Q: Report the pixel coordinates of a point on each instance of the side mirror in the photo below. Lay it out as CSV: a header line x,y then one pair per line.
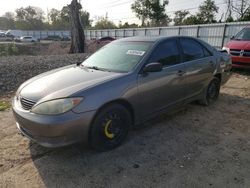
x,y
153,67
232,37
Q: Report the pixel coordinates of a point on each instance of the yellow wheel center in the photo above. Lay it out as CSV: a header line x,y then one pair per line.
x,y
106,131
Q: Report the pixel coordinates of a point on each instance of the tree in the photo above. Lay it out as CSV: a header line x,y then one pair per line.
x,y
7,21
85,19
127,25
77,33
191,20
151,10
104,23
241,8
246,16
6,24
60,19
207,11
54,15
29,18
65,14
157,13
141,10
9,15
228,14
180,15
229,19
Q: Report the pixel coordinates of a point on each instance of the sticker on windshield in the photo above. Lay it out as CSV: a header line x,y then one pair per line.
x,y
135,52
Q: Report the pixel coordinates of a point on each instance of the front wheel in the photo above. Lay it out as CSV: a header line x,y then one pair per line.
x,y
212,92
110,127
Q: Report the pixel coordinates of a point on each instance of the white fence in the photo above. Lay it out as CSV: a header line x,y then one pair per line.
x,y
44,34
215,34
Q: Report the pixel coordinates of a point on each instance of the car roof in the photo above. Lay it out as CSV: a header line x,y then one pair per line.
x,y
149,38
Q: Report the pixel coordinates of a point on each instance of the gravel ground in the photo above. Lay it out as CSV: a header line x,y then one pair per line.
x,y
195,147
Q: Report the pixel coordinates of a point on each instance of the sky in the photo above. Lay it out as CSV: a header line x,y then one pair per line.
x,y
117,10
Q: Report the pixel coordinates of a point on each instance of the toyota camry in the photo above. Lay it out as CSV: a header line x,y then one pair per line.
x,y
121,85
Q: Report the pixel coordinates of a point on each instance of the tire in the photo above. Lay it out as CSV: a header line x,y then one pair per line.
x,y
212,92
110,127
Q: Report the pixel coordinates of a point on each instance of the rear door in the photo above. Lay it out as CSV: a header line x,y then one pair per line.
x,y
199,63
158,90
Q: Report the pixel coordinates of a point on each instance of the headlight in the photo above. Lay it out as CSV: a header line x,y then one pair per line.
x,y
227,49
57,106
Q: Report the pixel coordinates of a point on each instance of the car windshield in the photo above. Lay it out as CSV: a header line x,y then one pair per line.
x,y
118,56
244,34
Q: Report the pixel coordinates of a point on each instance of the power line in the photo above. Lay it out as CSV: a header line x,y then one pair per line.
x,y
191,8
113,3
118,4
187,9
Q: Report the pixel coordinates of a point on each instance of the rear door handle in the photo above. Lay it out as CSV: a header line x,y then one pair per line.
x,y
180,72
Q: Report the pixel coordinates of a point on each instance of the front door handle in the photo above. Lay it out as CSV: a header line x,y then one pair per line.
x,y
180,72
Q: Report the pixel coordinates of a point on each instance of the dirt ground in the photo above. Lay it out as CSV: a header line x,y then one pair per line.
x,y
195,147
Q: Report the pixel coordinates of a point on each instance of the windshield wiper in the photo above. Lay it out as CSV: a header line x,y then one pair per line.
x,y
96,68
93,67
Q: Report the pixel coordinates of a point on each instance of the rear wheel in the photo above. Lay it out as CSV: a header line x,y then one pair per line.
x,y
110,127
212,92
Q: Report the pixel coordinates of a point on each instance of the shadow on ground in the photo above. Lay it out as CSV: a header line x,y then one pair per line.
x,y
196,147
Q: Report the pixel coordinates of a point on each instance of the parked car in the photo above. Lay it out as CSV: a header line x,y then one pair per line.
x,y
106,39
121,85
53,38
27,39
239,48
4,37
65,38
15,33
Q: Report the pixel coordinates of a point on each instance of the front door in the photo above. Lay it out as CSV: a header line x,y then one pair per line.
x,y
157,90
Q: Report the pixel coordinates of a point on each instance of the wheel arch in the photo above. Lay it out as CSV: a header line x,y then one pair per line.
x,y
122,102
218,75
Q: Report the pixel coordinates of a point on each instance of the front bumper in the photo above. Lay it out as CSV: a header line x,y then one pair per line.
x,y
53,131
241,62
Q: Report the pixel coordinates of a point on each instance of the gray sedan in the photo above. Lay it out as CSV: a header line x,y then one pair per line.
x,y
123,84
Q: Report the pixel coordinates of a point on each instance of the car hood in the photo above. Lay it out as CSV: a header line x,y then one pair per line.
x,y
63,82
239,45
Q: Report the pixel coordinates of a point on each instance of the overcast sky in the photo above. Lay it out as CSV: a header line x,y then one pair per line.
x,y
117,9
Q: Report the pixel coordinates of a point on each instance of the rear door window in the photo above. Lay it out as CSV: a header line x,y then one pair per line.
x,y
192,50
207,53
166,53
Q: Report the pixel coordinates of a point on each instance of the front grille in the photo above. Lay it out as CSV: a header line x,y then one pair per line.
x,y
242,53
26,103
235,52
246,53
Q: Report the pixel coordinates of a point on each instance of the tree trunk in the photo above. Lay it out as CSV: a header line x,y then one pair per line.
x,y
77,32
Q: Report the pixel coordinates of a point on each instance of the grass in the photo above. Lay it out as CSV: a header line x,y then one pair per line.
x,y
4,105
